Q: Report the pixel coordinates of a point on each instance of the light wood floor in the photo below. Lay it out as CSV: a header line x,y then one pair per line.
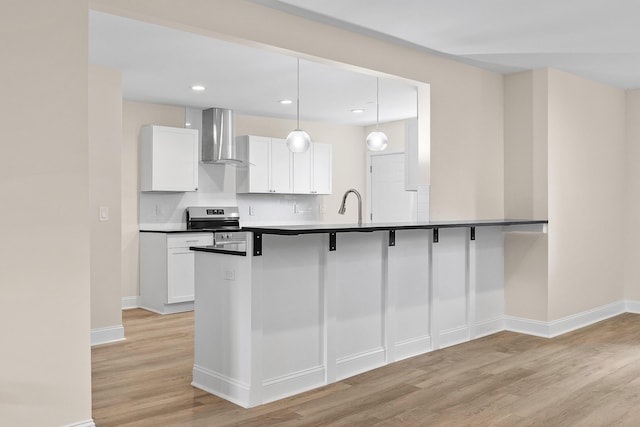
x,y
590,377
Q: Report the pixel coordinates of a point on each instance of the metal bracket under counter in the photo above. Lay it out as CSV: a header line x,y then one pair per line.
x,y
534,226
257,244
257,239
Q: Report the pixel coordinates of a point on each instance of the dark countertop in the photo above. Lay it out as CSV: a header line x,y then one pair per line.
x,y
367,227
342,228
213,249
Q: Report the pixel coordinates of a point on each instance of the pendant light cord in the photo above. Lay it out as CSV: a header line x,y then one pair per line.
x,y
377,102
298,99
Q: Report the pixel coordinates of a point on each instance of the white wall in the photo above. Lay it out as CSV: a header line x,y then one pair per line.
x,y
525,192
586,194
632,197
45,373
105,145
565,152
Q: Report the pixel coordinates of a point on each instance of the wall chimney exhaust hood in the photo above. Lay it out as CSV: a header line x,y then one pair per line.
x,y
218,137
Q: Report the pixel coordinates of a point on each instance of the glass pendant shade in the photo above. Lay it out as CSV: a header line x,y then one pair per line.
x,y
377,141
298,141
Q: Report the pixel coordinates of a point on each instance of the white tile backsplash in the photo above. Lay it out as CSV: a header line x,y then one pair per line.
x,y
167,210
278,209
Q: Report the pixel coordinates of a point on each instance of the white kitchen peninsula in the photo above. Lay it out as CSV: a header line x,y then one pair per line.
x,y
311,305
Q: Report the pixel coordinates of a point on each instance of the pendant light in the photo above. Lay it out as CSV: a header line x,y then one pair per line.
x,y
298,140
377,140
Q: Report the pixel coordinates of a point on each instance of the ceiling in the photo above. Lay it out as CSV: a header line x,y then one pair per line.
x,y
596,39
159,65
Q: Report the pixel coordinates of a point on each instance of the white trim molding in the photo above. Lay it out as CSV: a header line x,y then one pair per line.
x,y
230,389
632,306
88,423
107,335
130,302
569,323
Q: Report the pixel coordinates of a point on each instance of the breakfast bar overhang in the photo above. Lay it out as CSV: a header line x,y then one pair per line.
x,y
309,305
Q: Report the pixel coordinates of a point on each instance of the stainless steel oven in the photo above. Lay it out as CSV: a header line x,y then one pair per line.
x,y
223,221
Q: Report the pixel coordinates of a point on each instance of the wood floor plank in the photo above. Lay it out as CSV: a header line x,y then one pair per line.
x,y
589,377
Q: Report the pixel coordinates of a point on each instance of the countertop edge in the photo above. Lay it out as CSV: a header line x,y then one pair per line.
x,y
149,230
364,228
213,250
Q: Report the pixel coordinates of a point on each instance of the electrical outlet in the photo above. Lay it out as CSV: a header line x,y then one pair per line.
x,y
295,208
252,211
323,208
229,274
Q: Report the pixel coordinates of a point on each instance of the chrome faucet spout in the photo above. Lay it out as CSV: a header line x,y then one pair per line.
x,y
343,205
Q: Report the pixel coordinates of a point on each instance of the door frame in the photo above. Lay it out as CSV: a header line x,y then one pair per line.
x,y
370,155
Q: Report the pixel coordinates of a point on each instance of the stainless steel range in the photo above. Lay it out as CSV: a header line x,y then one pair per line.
x,y
223,221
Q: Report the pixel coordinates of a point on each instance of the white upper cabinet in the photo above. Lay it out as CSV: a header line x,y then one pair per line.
x,y
253,178
302,171
269,170
280,162
274,169
312,170
322,168
168,159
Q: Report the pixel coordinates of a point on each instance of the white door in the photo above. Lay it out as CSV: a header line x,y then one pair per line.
x,y
389,200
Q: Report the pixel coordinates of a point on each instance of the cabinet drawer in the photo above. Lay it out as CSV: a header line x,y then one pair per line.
x,y
189,239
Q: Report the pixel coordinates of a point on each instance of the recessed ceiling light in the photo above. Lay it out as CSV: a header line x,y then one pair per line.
x,y
357,110
187,124
285,101
198,88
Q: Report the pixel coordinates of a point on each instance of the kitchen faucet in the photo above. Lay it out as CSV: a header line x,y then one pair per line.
x,y
343,205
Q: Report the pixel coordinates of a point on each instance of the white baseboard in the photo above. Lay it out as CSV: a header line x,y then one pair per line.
x,y
412,347
221,386
488,327
297,382
88,423
358,363
453,336
569,323
107,335
130,302
632,306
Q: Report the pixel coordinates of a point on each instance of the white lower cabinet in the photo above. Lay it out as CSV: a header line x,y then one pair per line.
x,y
167,272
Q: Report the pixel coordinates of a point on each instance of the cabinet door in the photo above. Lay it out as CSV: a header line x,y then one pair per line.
x,y
322,168
280,162
180,275
259,168
302,172
169,158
